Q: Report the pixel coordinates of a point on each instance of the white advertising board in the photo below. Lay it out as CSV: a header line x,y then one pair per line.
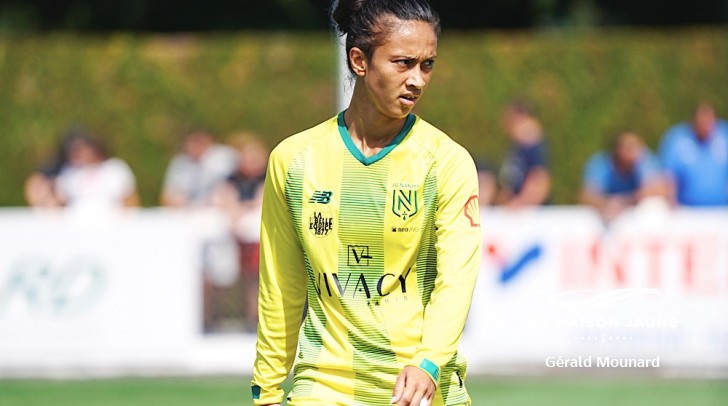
x,y
556,286
122,294
76,293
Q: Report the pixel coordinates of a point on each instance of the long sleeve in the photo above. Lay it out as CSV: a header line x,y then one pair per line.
x,y
458,262
282,291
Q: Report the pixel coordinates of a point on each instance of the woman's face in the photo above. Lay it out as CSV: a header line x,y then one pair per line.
x,y
82,153
399,70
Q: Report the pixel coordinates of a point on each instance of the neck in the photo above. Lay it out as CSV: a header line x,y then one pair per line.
x,y
370,130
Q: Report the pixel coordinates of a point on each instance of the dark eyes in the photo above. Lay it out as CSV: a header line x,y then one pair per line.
x,y
410,63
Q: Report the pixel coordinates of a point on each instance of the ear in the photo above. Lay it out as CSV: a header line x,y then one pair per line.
x,y
358,61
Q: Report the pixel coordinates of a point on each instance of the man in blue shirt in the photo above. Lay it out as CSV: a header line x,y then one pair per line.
x,y
620,178
695,158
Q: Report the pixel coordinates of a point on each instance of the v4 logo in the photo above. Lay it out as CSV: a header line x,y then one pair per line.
x,y
358,255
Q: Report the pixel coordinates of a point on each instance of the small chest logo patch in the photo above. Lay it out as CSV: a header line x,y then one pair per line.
x,y
320,225
321,197
405,203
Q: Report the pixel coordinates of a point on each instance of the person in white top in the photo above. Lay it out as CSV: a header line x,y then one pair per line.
x,y
91,179
194,173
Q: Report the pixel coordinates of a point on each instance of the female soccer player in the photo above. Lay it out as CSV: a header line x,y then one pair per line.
x,y
371,220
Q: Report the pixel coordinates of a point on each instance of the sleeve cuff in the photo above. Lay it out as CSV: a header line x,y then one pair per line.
x,y
261,397
431,369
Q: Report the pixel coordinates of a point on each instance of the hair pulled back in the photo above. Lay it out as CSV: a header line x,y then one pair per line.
x,y
361,20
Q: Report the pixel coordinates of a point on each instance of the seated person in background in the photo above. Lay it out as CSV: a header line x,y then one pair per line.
x,y
695,158
620,178
524,176
241,198
193,174
242,191
91,179
40,187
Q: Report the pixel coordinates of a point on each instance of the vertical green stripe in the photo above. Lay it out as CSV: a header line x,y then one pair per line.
x,y
361,224
452,384
427,255
310,342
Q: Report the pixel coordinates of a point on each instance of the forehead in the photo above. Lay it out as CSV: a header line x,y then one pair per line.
x,y
629,141
410,38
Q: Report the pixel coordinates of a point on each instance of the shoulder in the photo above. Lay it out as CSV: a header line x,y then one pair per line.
x,y
598,160
648,161
676,133
536,148
179,162
438,144
116,164
117,167
220,151
598,169
722,127
290,147
648,156
676,138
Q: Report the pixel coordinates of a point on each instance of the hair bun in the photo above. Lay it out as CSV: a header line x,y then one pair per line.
x,y
343,12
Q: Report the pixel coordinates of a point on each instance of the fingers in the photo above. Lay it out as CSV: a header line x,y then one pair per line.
x,y
398,388
413,388
422,396
415,396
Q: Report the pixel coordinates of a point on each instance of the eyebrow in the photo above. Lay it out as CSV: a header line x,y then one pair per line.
x,y
400,56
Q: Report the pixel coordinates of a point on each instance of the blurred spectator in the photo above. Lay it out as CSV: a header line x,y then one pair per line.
x,y
242,191
90,179
40,190
241,197
194,173
487,182
695,158
524,176
622,177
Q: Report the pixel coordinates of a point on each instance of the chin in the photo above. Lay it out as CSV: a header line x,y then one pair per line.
x,y
401,112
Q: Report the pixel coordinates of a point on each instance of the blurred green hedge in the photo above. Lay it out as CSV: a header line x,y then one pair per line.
x,y
142,92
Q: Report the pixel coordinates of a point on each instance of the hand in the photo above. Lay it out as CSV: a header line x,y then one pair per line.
x,y
413,388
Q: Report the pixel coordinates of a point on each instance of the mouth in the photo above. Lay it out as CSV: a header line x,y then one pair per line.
x,y
408,99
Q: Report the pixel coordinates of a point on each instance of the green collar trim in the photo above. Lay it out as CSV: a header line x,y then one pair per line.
x,y
346,137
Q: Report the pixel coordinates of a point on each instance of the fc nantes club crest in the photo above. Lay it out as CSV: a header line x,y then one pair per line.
x,y
404,203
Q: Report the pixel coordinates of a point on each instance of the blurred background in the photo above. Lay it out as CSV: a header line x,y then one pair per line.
x,y
142,72
175,104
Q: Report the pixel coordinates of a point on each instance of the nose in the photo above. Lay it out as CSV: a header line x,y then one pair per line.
x,y
417,78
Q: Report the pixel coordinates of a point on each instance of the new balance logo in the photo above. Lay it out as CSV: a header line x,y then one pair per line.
x,y
321,196
358,255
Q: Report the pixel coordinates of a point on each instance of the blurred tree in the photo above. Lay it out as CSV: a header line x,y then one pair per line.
x,y
190,15
664,13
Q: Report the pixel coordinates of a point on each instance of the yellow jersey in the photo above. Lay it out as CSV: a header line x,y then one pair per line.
x,y
382,252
